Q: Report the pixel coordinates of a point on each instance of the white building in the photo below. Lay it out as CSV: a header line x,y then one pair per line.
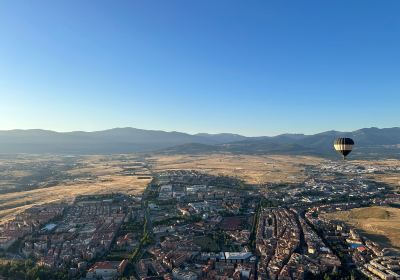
x,y
179,274
107,269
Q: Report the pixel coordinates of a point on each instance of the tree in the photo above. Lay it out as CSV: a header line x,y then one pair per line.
x,y
327,277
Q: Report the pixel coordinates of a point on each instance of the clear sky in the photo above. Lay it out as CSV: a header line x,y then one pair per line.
x,y
250,67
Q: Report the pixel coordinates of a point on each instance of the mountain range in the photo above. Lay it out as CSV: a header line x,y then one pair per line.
x,y
370,142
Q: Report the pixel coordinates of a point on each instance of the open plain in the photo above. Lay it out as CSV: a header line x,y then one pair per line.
x,y
32,180
380,224
253,169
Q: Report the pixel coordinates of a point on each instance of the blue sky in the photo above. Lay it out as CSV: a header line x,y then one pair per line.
x,y
249,67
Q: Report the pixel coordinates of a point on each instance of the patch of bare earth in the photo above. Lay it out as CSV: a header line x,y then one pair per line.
x,y
253,169
104,175
380,224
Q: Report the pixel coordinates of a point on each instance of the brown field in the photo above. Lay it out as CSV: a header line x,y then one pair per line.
x,y
253,169
102,174
111,183
105,178
390,178
380,224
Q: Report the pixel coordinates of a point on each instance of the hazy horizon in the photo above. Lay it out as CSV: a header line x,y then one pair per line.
x,y
194,133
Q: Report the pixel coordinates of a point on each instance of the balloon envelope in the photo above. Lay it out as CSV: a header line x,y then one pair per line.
x,y
343,146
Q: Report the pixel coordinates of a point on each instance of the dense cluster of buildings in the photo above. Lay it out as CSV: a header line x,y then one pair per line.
x,y
288,247
86,231
356,250
73,236
27,222
387,268
189,225
354,168
202,227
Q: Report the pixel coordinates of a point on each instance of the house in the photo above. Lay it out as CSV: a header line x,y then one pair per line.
x,y
107,269
180,274
238,257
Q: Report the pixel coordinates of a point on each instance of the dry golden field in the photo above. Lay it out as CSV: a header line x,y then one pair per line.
x,y
390,178
380,224
253,169
130,174
103,176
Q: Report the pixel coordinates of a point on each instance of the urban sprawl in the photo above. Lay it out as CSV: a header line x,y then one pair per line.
x,y
189,225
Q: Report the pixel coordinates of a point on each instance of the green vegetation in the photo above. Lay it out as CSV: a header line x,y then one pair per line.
x,y
254,227
270,203
394,205
151,194
131,227
227,182
117,255
136,253
151,191
181,219
226,213
207,244
29,271
144,241
95,197
168,221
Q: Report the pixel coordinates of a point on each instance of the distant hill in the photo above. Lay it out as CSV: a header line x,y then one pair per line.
x,y
116,140
370,142
222,137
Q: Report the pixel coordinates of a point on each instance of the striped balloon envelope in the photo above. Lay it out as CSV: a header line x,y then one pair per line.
x,y
343,146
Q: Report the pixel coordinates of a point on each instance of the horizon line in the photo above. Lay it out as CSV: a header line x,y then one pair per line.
x,y
192,134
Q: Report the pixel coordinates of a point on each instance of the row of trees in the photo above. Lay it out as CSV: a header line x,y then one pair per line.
x,y
27,270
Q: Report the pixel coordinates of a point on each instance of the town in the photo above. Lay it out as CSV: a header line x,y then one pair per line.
x,y
192,225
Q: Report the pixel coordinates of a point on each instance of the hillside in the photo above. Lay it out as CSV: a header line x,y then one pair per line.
x,y
370,142
116,140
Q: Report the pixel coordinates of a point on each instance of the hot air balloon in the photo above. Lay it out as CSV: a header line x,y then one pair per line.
x,y
343,146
